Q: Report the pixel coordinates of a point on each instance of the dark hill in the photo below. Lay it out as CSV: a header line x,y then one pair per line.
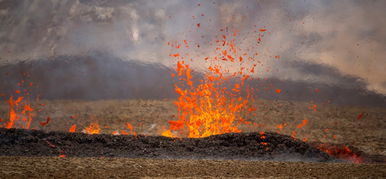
x,y
88,77
104,76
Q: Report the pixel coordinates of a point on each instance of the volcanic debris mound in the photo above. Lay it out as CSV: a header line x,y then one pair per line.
x,y
254,146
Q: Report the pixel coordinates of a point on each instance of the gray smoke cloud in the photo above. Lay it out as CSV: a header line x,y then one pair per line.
x,y
318,41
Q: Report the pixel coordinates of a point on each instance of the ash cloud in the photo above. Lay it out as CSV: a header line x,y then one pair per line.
x,y
339,43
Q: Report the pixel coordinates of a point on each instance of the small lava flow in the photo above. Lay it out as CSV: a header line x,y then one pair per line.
x,y
341,151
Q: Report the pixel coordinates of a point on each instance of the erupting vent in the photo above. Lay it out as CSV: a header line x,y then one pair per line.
x,y
213,105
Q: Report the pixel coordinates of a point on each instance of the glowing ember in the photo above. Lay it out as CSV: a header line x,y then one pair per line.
x,y
123,132
301,125
45,122
361,115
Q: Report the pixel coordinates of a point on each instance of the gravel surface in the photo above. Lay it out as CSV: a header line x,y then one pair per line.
x,y
85,167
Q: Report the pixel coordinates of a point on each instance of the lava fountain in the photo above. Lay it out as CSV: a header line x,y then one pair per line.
x,y
214,104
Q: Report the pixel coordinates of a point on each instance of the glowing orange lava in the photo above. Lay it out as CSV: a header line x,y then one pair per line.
x,y
340,151
93,128
72,128
212,105
20,112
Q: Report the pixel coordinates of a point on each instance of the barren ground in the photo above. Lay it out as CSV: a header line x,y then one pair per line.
x,y
50,167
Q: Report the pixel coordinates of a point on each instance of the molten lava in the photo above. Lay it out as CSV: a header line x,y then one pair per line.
x,y
340,151
214,104
93,128
72,128
20,113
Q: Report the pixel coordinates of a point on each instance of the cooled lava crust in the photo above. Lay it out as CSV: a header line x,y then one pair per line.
x,y
249,146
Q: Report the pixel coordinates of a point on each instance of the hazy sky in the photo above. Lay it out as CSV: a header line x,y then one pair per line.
x,y
317,40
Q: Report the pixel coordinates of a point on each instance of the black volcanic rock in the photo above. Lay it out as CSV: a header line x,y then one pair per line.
x,y
249,146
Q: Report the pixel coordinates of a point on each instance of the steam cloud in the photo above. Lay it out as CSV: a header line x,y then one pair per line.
x,y
317,40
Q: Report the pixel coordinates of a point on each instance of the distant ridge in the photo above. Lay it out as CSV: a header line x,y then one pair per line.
x,y
105,76
98,76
